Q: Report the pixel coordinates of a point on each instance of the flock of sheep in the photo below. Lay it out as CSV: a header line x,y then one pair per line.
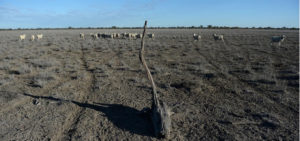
x,y
38,36
274,39
216,37
116,35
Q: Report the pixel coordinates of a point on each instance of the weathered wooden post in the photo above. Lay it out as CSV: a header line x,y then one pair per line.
x,y
160,112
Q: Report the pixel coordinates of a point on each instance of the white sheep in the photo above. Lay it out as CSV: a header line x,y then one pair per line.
x,y
139,35
94,36
81,35
22,37
114,35
32,38
151,35
218,37
196,37
132,35
278,39
99,35
124,35
129,35
39,36
118,35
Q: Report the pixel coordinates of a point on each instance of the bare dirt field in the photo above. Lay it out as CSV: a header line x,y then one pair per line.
x,y
66,88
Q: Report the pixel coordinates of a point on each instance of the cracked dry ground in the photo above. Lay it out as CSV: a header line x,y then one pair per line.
x,y
64,88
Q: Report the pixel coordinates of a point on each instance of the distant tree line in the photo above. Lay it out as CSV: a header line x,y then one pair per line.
x,y
173,27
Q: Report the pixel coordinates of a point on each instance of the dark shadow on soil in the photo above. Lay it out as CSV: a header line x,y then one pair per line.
x,y
124,117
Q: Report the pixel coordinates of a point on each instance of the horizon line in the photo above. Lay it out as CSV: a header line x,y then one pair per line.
x,y
154,27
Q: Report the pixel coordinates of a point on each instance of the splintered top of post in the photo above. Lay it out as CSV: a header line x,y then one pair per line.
x,y
144,32
145,25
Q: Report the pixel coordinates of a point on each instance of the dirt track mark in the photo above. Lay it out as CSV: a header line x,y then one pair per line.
x,y
70,125
91,74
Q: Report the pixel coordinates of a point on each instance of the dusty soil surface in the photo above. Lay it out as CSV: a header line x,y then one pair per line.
x,y
66,88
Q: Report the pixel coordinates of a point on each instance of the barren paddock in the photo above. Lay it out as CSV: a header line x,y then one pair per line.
x,y
66,88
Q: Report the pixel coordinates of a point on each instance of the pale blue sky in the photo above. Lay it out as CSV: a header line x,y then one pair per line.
x,y
104,13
